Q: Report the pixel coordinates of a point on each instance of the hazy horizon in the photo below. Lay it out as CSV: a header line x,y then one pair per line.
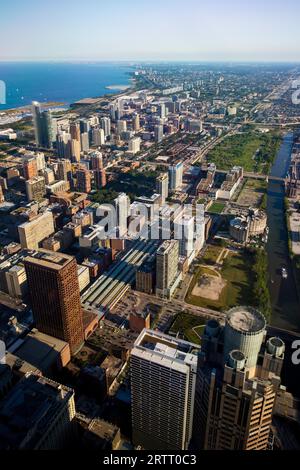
x,y
134,31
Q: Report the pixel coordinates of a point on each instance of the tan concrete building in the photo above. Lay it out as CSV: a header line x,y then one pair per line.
x,y
35,188
33,232
167,273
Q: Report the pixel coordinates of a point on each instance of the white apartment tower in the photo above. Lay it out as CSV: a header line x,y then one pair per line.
x,y
175,176
163,384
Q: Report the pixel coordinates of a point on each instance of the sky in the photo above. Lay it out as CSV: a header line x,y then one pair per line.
x,y
136,30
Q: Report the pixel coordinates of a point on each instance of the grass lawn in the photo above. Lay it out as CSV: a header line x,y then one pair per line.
x,y
184,324
211,254
251,150
238,291
216,207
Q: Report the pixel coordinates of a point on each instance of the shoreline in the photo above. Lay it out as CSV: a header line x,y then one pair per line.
x,y
115,91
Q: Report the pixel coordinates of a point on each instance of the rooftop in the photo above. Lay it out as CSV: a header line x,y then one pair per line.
x,y
28,410
49,259
246,320
156,346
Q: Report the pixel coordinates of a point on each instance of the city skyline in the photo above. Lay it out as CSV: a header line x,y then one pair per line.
x,y
222,32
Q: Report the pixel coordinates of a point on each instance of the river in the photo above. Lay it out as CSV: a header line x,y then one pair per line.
x,y
283,292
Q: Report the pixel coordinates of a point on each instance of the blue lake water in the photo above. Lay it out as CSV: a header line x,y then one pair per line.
x,y
60,82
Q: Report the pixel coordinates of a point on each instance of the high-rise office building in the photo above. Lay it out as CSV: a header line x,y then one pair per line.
x,y
100,178
122,206
75,131
83,182
162,110
64,145
121,126
30,168
75,150
33,232
136,122
158,133
96,161
84,125
175,176
167,276
85,142
55,297
162,186
35,188
237,381
163,382
184,228
49,176
37,414
64,169
98,137
134,145
43,126
106,126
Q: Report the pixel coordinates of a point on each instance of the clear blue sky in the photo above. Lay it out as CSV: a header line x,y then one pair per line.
x,y
150,29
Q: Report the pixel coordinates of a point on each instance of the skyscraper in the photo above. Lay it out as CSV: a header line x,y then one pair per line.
x,y
122,205
184,227
237,381
100,178
37,414
43,128
163,382
98,137
96,161
162,186
64,169
136,122
158,133
54,289
167,275
134,145
121,126
85,142
83,183
75,150
175,176
105,125
30,168
75,131
64,145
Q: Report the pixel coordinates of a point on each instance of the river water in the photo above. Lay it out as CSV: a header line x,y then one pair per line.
x,y
284,297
